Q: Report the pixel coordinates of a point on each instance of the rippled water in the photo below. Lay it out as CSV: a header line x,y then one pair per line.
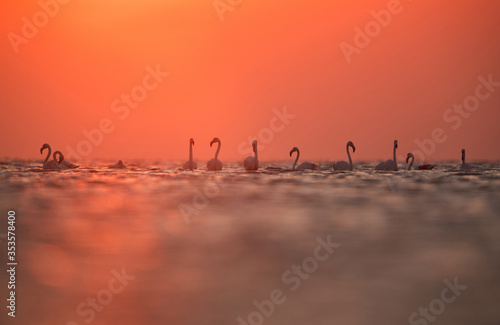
x,y
200,247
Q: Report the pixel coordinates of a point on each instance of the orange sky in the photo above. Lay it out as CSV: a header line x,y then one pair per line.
x,y
226,77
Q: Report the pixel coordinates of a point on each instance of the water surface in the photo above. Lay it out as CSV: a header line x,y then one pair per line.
x,y
202,246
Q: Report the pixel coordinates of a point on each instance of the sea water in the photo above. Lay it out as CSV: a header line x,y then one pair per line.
x,y
152,244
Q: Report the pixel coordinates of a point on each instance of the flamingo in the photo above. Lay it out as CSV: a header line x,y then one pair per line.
x,y
63,164
389,164
251,162
304,165
408,156
52,164
421,167
343,165
118,165
190,164
215,164
464,164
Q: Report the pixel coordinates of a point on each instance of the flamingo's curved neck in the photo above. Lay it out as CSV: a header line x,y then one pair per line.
x,y
48,155
296,159
190,153
218,149
411,162
394,157
349,156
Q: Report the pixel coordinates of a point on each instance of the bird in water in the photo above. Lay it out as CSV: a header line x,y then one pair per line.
x,y
390,164
252,162
304,165
190,165
343,165
420,167
215,164
464,165
49,164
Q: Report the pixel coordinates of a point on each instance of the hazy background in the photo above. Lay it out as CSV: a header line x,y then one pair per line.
x,y
227,76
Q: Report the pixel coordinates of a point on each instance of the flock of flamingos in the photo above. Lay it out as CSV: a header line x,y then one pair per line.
x,y
252,162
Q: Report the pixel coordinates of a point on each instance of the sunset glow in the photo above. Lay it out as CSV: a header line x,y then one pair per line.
x,y
250,162
224,71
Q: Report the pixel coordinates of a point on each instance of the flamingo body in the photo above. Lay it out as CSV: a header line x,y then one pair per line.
x,y
341,165
51,165
190,165
250,163
387,165
380,166
214,164
307,165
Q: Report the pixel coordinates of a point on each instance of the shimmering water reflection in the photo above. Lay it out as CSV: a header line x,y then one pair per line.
x,y
202,246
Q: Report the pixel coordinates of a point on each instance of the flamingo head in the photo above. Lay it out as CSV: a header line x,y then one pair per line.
x,y
191,141
45,146
294,149
254,145
395,144
214,140
350,144
408,156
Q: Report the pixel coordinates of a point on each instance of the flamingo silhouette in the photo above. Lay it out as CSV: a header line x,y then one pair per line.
x,y
252,162
49,164
389,164
304,165
343,165
464,164
420,167
215,164
190,164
